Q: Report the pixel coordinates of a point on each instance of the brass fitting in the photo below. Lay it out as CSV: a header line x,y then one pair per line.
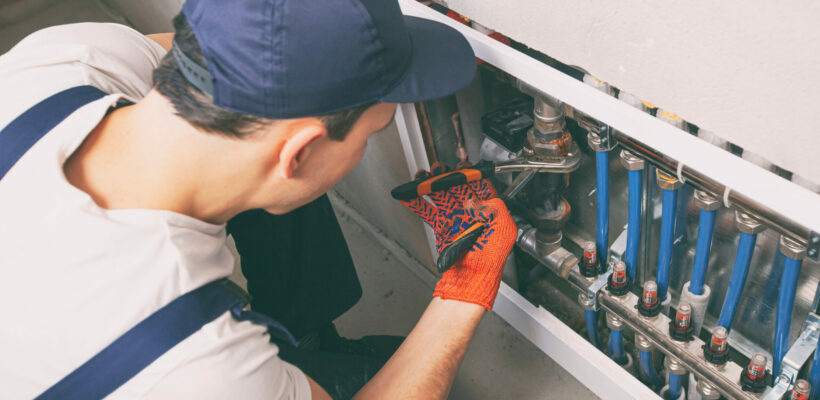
x,y
707,391
667,182
613,322
673,366
631,162
642,343
748,224
705,201
791,248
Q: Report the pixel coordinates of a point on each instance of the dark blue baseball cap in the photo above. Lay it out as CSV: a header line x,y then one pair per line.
x,y
297,58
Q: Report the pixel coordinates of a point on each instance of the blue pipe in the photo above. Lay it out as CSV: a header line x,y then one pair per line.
x,y
649,370
785,306
633,228
675,385
670,199
706,226
616,347
592,327
745,249
602,178
814,375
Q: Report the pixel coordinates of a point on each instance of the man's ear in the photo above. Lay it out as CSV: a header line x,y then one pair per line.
x,y
294,149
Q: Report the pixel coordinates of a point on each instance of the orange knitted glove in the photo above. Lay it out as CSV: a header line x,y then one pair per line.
x,y
476,276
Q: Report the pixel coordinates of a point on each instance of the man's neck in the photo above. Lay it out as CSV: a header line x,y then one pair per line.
x,y
145,157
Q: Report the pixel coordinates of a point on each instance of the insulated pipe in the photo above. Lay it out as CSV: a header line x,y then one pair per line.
x,y
616,339
676,373
592,327
616,347
635,165
675,385
749,228
696,292
602,179
705,228
670,186
708,205
814,375
794,253
649,370
645,352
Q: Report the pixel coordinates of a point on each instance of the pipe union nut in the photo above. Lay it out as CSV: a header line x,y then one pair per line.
x,y
631,162
642,343
613,322
673,366
706,201
748,224
791,248
668,182
595,143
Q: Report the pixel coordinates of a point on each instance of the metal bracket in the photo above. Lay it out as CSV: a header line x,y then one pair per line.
x,y
813,246
605,133
595,287
797,355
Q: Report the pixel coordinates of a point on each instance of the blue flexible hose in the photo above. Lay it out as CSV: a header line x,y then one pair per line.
x,y
602,179
670,199
814,375
785,306
616,347
633,228
675,385
706,226
649,370
592,327
745,249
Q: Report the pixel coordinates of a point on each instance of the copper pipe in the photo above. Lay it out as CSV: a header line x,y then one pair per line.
x,y
426,133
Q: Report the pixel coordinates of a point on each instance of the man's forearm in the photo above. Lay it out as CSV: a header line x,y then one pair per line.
x,y
426,363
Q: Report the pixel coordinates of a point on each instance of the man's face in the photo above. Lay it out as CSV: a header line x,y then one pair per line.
x,y
330,160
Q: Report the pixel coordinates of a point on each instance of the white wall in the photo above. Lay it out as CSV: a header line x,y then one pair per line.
x,y
747,70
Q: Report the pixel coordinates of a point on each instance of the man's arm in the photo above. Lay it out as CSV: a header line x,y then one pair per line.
x,y
426,363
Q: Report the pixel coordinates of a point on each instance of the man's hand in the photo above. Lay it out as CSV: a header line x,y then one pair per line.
x,y
476,277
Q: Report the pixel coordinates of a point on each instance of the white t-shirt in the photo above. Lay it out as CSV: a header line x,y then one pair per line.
x,y
74,276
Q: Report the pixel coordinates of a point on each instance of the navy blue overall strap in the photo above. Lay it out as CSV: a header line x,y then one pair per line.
x,y
25,130
151,338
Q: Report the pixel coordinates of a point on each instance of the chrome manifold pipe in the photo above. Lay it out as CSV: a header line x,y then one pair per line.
x,y
725,378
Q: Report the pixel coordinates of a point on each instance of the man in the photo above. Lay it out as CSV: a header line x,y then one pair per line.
x,y
120,209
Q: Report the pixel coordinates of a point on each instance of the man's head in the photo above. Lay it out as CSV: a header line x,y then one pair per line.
x,y
304,83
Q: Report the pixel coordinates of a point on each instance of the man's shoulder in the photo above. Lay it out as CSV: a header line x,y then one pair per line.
x,y
111,57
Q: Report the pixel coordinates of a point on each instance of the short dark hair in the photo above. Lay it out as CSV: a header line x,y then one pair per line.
x,y
198,108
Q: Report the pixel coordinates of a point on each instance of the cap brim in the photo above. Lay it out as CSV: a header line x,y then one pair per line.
x,y
442,63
